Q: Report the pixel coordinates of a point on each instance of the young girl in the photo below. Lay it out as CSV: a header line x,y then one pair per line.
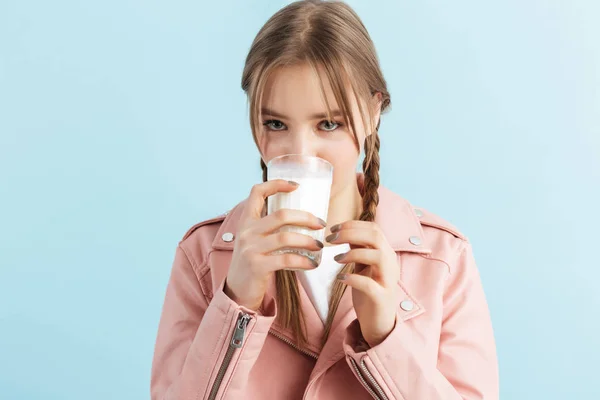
x,y
396,310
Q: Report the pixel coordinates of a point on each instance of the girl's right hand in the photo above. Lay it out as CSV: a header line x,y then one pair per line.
x,y
252,264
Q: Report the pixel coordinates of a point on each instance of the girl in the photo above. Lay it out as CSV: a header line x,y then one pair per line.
x,y
404,315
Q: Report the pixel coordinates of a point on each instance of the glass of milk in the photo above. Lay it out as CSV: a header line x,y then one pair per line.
x,y
314,175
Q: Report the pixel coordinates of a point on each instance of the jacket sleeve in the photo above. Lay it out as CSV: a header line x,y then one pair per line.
x,y
196,355
467,365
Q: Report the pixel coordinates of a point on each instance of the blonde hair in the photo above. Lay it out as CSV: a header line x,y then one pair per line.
x,y
330,35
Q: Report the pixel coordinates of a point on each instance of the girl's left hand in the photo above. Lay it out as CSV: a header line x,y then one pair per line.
x,y
375,290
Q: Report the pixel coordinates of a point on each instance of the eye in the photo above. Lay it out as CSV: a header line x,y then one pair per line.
x,y
274,125
329,126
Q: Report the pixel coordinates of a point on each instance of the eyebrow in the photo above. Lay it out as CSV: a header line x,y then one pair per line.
x,y
273,113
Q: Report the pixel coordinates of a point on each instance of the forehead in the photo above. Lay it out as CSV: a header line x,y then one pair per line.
x,y
296,90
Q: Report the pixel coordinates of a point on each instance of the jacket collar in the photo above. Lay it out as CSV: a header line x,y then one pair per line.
x,y
395,216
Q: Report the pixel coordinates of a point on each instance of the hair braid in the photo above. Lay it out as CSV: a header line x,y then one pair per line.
x,y
371,177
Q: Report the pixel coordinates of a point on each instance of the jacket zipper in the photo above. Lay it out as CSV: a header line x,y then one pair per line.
x,y
380,395
237,340
286,340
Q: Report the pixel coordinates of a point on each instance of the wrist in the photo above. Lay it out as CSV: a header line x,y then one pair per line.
x,y
377,338
254,306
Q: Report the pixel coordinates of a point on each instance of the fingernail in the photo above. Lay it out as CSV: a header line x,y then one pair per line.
x,y
332,237
342,277
339,256
293,183
320,244
322,222
335,228
316,264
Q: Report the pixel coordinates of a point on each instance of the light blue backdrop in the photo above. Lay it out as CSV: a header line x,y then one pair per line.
x,y
114,114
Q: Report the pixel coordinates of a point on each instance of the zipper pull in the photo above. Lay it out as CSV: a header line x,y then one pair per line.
x,y
240,330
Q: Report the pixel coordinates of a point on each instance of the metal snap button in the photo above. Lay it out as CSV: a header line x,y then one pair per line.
x,y
415,240
407,305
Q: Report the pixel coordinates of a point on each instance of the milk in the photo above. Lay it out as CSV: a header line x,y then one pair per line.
x,y
312,195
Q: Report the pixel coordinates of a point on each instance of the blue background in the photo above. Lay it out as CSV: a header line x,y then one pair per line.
x,y
113,120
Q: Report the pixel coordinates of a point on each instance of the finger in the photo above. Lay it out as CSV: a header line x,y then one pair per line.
x,y
261,191
362,283
280,240
291,261
354,224
363,237
382,271
287,216
373,257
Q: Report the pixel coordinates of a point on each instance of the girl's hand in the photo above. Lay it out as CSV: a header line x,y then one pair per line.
x,y
252,264
375,290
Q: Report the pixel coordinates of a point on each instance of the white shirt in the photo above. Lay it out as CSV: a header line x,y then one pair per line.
x,y
318,282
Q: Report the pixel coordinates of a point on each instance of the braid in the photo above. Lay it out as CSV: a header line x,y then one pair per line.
x,y
371,175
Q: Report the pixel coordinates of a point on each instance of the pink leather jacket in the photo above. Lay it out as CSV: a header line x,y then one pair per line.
x,y
442,346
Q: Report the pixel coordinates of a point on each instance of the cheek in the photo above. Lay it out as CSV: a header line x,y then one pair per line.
x,y
344,157
269,148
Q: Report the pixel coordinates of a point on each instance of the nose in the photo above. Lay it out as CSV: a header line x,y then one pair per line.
x,y
302,142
